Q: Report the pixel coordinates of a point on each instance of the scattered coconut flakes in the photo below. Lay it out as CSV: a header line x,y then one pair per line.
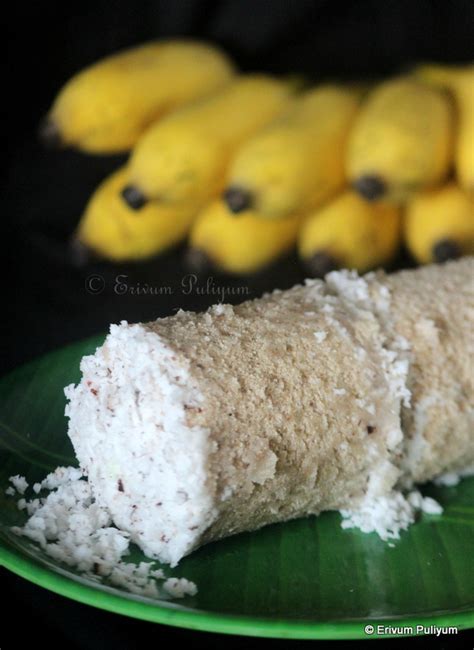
x,y
320,336
431,507
388,515
180,587
425,504
60,476
349,285
72,528
221,309
449,479
339,391
19,483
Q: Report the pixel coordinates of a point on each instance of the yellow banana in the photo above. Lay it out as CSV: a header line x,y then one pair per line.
x,y
183,158
240,246
401,141
349,232
439,224
460,81
297,162
109,228
106,107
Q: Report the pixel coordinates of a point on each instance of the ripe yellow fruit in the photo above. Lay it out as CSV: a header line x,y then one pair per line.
x,y
106,107
402,140
348,232
297,162
109,228
460,81
240,245
184,157
439,224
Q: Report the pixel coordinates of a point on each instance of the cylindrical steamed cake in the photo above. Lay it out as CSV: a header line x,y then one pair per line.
x,y
326,396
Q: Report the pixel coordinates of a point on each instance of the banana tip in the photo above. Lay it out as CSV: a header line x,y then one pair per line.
x,y
49,133
195,259
446,249
321,263
133,197
370,187
237,199
80,255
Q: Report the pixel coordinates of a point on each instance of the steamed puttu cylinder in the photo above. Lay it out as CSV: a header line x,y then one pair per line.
x,y
323,397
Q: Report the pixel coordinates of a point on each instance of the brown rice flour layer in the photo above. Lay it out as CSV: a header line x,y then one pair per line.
x,y
327,396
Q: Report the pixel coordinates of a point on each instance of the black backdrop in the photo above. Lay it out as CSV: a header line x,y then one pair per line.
x,y
45,299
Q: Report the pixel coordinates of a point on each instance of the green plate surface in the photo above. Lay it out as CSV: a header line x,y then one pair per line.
x,y
303,579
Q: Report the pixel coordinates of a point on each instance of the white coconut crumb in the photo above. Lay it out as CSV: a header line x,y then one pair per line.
x,y
180,587
227,492
425,504
394,438
348,285
10,491
382,302
222,309
338,327
73,529
384,515
360,353
320,336
428,330
133,578
339,391
60,476
361,403
450,479
401,343
396,370
389,515
19,483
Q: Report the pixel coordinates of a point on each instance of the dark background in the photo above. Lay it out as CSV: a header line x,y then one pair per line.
x,y
45,300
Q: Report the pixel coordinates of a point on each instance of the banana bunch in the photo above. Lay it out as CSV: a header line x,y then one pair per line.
x,y
238,246
106,107
401,142
341,172
297,162
113,231
349,232
183,158
460,82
